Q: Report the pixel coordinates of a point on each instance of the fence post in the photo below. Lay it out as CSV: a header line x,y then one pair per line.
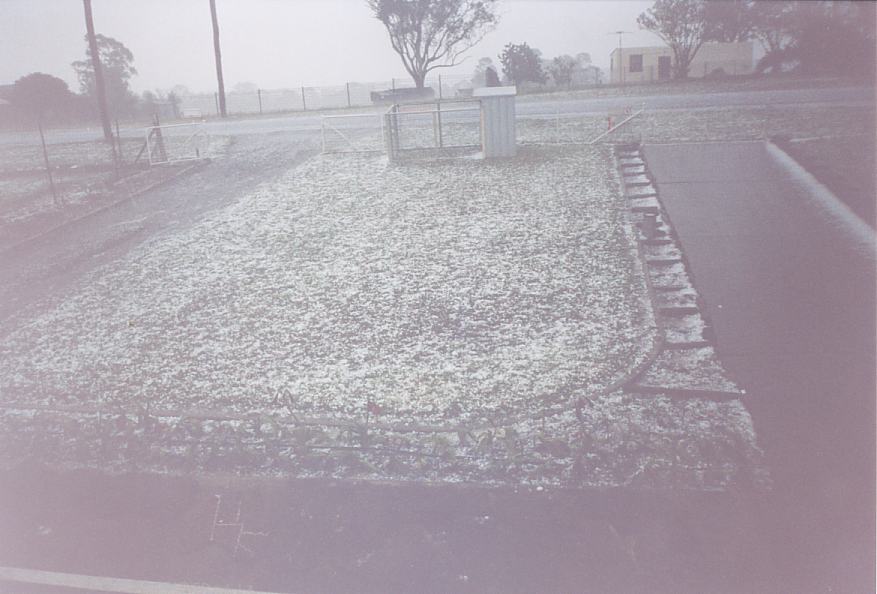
x,y
393,83
323,132
348,94
119,142
304,105
440,87
48,167
438,111
259,92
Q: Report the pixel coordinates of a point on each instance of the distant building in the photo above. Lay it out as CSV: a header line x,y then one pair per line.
x,y
652,64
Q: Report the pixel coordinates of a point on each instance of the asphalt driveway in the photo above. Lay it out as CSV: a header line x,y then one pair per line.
x,y
792,300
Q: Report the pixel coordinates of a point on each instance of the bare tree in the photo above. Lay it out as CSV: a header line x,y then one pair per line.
x,y
430,34
218,55
98,73
681,24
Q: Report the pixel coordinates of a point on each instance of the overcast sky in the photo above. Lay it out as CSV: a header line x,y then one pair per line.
x,y
282,43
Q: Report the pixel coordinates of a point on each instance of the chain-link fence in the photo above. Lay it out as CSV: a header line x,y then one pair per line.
x,y
52,176
303,98
432,128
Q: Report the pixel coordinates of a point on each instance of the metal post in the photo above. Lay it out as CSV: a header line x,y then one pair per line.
x,y
149,147
304,105
348,94
441,140
115,157
259,92
48,167
620,54
323,133
393,83
440,87
119,141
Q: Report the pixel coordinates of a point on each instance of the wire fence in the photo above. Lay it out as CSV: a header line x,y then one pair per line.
x,y
351,94
304,98
50,178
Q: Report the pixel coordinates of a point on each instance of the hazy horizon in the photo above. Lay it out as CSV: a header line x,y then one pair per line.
x,y
283,44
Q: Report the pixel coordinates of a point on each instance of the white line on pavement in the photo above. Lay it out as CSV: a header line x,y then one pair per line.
x,y
108,584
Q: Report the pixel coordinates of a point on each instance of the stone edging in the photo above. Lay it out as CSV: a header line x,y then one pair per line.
x,y
680,302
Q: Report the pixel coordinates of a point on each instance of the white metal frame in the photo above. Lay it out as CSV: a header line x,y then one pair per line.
x,y
190,140
325,122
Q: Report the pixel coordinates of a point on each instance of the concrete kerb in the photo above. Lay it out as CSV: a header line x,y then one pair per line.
x,y
854,228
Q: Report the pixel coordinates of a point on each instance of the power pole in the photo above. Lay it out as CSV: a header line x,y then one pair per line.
x,y
620,53
98,73
218,55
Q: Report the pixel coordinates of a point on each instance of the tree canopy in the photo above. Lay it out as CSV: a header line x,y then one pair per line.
x,y
562,68
730,20
430,34
681,25
521,63
42,95
118,68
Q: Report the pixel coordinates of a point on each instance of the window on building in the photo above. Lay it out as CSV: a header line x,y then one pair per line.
x,y
636,62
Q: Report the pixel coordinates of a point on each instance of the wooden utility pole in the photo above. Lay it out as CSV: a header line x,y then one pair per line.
x,y
98,73
218,55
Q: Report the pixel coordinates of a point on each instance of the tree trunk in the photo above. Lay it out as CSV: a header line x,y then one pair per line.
x,y
218,55
419,79
99,87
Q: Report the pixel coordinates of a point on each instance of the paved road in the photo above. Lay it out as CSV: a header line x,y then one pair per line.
x,y
793,304
528,106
